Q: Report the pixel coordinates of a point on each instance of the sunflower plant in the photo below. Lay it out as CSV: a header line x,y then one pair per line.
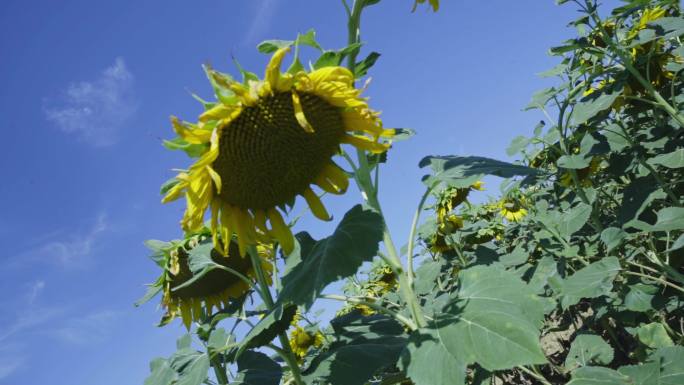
x,y
573,274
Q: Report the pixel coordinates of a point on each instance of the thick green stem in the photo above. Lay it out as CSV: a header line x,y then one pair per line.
x,y
369,190
289,356
219,371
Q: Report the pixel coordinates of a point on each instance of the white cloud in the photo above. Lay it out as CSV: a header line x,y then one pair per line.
x,y
96,110
70,252
89,329
34,290
9,365
262,19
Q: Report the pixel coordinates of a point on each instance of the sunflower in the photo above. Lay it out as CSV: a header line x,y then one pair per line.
x,y
301,341
446,227
513,208
186,295
267,142
454,196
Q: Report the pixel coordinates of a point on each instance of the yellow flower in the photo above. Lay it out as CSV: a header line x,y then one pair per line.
x,y
301,341
454,196
214,289
268,142
451,224
513,208
433,3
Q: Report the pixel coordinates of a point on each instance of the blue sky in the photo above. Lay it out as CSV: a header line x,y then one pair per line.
x,y
86,94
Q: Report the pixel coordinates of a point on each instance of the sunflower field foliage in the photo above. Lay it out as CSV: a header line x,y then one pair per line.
x,y
573,275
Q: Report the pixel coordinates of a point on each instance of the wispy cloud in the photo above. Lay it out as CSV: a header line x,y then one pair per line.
x,y
96,110
90,329
265,11
68,252
9,365
34,290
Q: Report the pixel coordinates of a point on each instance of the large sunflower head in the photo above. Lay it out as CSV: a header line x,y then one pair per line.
x,y
265,143
189,294
513,208
450,198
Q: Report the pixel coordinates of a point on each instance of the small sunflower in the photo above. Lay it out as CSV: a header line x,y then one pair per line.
x,y
301,341
448,226
213,289
513,208
453,196
267,142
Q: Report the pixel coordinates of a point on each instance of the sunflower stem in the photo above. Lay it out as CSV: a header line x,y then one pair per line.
x,y
265,292
365,183
412,235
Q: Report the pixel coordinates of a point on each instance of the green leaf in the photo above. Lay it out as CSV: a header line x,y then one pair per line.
x,y
219,339
270,46
545,269
588,349
591,281
615,137
518,144
428,359
152,291
669,218
162,373
654,335
671,364
338,256
426,277
192,366
639,297
255,368
184,342
495,306
541,98
678,244
275,322
572,220
309,38
517,257
591,375
168,185
612,237
644,374
573,161
463,171
365,345
364,65
591,106
674,159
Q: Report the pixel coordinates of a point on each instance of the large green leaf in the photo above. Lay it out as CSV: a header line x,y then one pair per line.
x,y
493,319
428,360
365,345
191,365
462,171
673,159
162,373
588,349
670,218
594,375
654,335
591,281
644,374
275,322
338,256
255,368
639,297
671,361
591,106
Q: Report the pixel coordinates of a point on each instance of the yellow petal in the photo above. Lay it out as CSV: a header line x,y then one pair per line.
x,y
195,136
186,315
245,229
316,205
260,220
336,176
299,114
272,75
215,177
281,231
365,143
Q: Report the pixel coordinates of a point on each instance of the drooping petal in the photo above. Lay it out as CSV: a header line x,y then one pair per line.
x,y
281,231
316,205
